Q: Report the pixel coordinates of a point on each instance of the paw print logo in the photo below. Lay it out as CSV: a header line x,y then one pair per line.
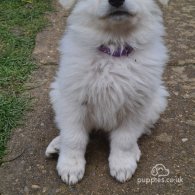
x,y
159,170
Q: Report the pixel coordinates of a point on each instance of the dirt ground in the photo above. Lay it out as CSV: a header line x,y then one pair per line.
x,y
171,143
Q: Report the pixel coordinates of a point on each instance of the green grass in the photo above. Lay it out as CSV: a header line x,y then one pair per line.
x,y
20,21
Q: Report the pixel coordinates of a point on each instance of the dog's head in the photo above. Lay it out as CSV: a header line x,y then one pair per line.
x,y
114,16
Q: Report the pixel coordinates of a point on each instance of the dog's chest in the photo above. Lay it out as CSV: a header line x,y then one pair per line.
x,y
112,92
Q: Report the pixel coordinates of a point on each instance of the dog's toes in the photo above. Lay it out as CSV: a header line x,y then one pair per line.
x,y
53,147
51,151
123,166
123,173
73,177
71,170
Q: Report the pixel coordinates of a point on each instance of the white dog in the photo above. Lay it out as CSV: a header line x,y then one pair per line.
x,y
110,78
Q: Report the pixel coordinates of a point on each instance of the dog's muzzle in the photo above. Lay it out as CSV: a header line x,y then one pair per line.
x,y
116,3
118,10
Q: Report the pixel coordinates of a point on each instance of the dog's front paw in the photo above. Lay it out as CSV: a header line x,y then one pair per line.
x,y
71,169
122,169
123,165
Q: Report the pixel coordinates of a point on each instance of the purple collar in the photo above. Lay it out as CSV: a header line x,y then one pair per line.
x,y
118,52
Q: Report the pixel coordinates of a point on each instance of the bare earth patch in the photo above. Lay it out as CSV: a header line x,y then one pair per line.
x,y
171,143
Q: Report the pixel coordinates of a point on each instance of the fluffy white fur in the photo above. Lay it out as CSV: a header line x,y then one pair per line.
x,y
123,96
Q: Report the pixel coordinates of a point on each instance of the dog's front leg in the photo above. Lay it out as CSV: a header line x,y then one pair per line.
x,y
71,162
124,152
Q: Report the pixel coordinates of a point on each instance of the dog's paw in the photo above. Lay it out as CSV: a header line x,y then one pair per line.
x,y
67,4
71,170
53,147
122,169
123,165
